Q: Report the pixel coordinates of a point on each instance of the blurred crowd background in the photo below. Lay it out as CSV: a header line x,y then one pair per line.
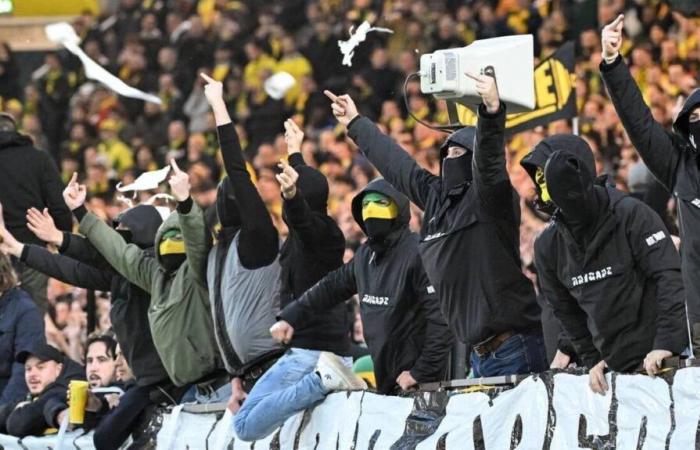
x,y
160,46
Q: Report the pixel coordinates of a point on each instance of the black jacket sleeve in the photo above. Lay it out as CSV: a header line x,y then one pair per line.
x,y
653,143
333,289
30,419
52,194
392,161
566,309
258,244
490,174
79,247
658,259
438,342
66,269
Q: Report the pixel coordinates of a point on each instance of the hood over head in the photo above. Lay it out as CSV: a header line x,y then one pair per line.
x,y
572,188
681,124
170,226
458,170
313,185
383,187
537,159
13,139
143,222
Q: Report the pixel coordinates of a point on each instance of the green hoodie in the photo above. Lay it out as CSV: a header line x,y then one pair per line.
x,y
179,313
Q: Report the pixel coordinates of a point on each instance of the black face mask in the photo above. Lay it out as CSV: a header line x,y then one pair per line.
x,y
125,234
694,133
377,232
456,171
571,187
172,262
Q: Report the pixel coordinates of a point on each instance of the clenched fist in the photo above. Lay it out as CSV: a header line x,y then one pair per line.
x,y
282,332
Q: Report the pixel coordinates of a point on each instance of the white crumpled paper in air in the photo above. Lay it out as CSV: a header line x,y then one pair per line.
x,y
347,48
146,181
63,33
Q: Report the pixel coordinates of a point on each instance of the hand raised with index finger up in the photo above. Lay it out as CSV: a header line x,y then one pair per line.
x,y
213,90
179,183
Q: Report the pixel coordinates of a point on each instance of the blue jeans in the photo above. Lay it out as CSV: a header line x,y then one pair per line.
x,y
221,395
289,386
519,354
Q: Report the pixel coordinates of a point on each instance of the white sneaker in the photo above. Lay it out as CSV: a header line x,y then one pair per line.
x,y
335,376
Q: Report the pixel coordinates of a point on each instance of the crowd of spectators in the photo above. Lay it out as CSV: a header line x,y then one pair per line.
x,y
161,47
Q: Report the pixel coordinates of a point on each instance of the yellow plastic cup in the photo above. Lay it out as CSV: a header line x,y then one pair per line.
x,y
78,401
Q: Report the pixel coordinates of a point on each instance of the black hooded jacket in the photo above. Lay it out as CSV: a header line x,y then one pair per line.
x,y
81,265
470,235
35,417
673,160
314,247
403,327
609,268
29,178
537,159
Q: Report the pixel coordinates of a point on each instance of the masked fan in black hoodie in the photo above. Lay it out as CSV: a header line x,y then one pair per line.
x,y
470,234
404,330
314,247
80,264
673,158
609,268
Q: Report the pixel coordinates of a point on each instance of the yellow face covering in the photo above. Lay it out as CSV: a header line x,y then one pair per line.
x,y
539,179
378,206
172,244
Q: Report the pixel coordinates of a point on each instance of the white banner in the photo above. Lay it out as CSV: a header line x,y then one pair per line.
x,y
542,412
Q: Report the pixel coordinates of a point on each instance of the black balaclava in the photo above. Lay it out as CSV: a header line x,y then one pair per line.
x,y
572,189
694,133
456,171
313,186
143,222
227,210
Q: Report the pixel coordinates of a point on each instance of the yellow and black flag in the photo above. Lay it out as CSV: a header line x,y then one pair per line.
x,y
555,94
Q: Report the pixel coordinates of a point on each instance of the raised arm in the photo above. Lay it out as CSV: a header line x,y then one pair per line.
x,y
386,154
258,245
653,143
490,174
129,260
194,230
72,245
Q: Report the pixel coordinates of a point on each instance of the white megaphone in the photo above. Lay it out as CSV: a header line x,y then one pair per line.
x,y
442,73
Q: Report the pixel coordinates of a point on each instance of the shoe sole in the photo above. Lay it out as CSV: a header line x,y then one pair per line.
x,y
354,382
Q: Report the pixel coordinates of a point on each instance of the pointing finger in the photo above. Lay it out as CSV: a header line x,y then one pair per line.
x,y
74,178
618,20
174,165
330,95
472,76
207,78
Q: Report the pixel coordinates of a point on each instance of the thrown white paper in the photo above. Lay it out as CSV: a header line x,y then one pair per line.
x,y
146,181
63,33
347,48
277,85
